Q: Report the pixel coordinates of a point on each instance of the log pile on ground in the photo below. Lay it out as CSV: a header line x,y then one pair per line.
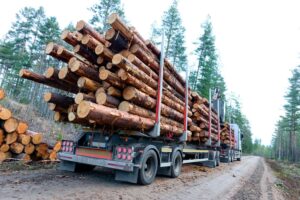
x,y
17,142
112,80
227,135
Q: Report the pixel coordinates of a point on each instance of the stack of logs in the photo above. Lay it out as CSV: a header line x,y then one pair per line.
x,y
112,81
227,135
17,142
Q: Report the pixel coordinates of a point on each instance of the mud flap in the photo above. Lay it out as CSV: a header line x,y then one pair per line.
x,y
130,177
67,166
164,171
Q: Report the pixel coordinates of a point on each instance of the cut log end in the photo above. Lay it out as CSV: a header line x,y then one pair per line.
x,y
129,93
64,34
80,25
47,96
5,113
76,49
49,48
101,98
100,60
22,127
63,72
74,66
60,50
71,116
85,39
110,33
103,74
22,72
83,109
117,59
79,98
49,72
99,49
112,18
124,106
11,125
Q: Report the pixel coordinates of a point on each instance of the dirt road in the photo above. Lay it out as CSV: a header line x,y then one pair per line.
x,y
249,179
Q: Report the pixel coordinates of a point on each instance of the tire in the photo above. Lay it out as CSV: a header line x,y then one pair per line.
x,y
176,165
218,159
148,169
83,167
239,159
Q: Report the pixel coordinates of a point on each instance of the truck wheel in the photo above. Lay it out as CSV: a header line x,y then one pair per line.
x,y
218,158
176,165
149,168
238,159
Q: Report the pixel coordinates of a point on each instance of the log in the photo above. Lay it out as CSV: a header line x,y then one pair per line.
x,y
36,138
53,156
57,146
142,99
142,112
107,100
118,41
25,158
103,51
57,108
11,138
52,50
4,148
24,73
81,69
22,127
90,42
88,84
68,76
10,125
42,148
69,37
24,139
85,53
99,90
4,156
16,147
2,94
5,113
60,117
2,136
85,28
84,97
73,118
59,99
29,148
111,78
115,118
112,91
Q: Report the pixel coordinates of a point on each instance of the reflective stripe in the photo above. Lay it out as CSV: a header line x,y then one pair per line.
x,y
194,151
166,150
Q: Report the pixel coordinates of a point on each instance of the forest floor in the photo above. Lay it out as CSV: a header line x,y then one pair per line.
x,y
249,179
289,178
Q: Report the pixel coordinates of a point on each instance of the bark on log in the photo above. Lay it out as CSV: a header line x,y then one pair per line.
x,y
85,53
2,136
111,78
69,37
57,108
4,156
107,100
82,69
59,99
2,94
112,91
103,51
52,50
90,42
88,84
84,97
120,119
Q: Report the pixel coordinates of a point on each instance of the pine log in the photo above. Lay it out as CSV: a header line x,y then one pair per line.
x,y
112,91
57,108
11,138
82,69
24,73
68,76
84,97
107,100
10,125
90,42
195,128
69,37
22,127
103,51
142,99
16,147
85,28
117,40
60,117
73,118
2,136
5,113
42,148
111,78
99,90
24,139
142,112
85,53
25,158
29,148
53,156
2,94
57,146
88,84
59,99
52,50
4,148
36,138
4,156
115,118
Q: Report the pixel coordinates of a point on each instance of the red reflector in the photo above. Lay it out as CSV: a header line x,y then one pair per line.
x,y
129,158
129,150
124,157
124,150
119,149
119,156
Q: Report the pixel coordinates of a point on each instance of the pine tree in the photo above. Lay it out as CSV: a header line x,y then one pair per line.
x,y
174,37
207,76
101,12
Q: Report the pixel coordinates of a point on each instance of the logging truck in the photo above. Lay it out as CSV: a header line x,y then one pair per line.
x,y
138,156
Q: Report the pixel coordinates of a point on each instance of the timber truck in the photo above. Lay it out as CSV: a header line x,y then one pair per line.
x,y
137,157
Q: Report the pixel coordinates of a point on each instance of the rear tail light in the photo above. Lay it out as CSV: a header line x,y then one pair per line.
x,y
124,153
129,150
124,156
67,146
129,158
124,150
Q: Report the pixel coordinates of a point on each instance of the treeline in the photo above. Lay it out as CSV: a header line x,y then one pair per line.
x,y
24,44
286,139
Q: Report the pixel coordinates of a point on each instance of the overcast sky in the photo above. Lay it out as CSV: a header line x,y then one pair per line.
x,y
258,43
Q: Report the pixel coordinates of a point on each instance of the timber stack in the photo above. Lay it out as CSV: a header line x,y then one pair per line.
x,y
17,142
227,135
112,80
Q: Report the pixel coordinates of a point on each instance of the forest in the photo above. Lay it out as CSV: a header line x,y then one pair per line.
x,y
24,44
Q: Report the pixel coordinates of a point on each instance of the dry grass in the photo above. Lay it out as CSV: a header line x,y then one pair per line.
x,y
289,174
